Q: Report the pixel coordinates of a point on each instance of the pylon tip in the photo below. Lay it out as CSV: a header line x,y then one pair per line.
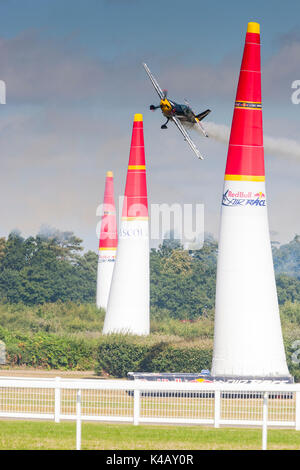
x,y
138,117
253,28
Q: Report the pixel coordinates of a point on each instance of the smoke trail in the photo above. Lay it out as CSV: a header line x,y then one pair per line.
x,y
219,132
281,147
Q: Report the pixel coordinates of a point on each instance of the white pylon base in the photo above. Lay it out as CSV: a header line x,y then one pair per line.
x,y
248,340
106,262
128,305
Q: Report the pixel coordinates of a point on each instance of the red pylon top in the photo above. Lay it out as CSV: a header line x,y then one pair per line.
x,y
245,158
108,235
135,203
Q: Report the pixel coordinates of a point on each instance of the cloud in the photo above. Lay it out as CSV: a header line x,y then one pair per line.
x,y
218,81
280,71
54,164
289,38
39,69
54,155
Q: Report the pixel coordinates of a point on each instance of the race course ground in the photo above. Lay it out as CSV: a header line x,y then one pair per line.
x,y
37,435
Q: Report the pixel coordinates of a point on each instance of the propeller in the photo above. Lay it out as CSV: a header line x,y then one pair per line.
x,y
165,94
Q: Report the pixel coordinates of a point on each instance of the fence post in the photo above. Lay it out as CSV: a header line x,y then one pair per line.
x,y
57,400
217,408
78,420
298,411
265,422
136,406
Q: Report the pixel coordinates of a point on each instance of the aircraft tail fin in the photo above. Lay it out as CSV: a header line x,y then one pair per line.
x,y
202,115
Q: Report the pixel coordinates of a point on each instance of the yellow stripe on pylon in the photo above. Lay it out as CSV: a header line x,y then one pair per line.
x,y
136,167
135,218
107,248
244,178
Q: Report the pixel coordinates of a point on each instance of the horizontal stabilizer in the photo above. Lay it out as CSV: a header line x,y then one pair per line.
x,y
201,116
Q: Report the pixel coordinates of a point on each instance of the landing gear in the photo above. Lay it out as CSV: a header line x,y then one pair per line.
x,y
164,126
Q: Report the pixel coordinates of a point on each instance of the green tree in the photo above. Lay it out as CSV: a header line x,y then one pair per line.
x,y
288,288
46,269
287,258
183,283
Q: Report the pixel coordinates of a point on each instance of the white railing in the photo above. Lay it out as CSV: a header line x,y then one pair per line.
x,y
151,402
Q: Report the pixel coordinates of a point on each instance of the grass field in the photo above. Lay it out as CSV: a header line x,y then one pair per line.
x,y
33,435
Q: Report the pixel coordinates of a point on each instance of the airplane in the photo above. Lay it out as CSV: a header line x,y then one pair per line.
x,y
178,113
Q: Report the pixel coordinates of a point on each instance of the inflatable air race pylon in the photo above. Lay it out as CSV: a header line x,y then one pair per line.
x,y
108,243
248,340
128,305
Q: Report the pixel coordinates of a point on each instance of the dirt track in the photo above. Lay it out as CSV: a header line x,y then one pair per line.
x,y
28,372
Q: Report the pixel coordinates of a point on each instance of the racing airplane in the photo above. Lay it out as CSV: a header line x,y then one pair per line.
x,y
178,113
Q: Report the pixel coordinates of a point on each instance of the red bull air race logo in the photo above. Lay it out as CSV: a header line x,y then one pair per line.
x,y
241,198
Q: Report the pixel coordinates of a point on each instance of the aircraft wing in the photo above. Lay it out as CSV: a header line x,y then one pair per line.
x,y
186,136
154,82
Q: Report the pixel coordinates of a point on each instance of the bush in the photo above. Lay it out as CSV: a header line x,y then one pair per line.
x,y
48,351
118,355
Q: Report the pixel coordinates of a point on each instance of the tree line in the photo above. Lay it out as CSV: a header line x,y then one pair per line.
x,y
52,267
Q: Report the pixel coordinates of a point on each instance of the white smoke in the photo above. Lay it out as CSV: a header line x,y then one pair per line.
x,y
218,132
281,147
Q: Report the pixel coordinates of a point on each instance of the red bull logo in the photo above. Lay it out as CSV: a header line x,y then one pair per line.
x,y
260,195
240,194
240,198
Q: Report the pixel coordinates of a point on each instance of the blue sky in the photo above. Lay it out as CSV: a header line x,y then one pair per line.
x,y
74,81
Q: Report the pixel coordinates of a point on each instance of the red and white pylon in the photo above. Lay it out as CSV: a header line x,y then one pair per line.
x,y
108,243
128,305
248,339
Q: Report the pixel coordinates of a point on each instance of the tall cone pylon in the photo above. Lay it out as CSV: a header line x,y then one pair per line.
x,y
107,243
248,339
128,305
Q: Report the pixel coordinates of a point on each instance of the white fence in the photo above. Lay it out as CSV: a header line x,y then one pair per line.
x,y
151,402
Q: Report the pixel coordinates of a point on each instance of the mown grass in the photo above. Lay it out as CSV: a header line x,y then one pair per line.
x,y
28,435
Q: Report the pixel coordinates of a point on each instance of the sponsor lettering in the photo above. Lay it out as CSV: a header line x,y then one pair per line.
x,y
240,198
137,232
